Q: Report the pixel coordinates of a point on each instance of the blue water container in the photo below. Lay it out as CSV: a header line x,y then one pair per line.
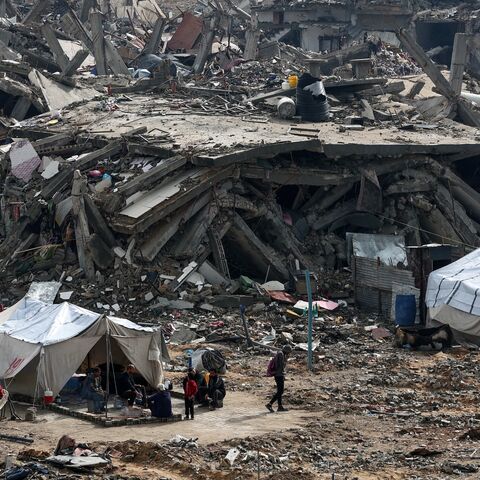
x,y
405,310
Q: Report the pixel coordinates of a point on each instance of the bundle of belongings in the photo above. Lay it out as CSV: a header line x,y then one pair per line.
x,y
71,454
206,360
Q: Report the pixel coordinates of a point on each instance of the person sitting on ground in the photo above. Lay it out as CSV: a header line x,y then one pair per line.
x,y
215,390
160,403
190,388
92,390
127,388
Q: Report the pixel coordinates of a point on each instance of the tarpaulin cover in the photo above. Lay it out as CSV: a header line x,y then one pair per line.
x,y
42,345
37,322
456,285
207,359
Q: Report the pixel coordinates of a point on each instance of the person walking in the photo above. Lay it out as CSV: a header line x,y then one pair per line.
x,y
190,389
276,369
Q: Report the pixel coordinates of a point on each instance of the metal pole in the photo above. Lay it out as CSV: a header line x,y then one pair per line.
x,y
310,321
107,339
258,464
245,326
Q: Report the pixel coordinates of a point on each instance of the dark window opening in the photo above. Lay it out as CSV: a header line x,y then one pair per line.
x,y
438,34
293,37
328,44
278,18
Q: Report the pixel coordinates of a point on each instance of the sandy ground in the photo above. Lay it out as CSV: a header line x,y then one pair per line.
x,y
243,415
367,411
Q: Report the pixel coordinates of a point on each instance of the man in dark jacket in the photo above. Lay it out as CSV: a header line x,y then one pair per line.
x,y
127,389
279,375
215,390
92,390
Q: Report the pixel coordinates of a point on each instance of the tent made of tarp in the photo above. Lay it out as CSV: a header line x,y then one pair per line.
x,y
453,296
42,345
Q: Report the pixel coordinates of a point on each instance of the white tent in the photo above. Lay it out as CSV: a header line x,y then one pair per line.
x,y
42,345
453,296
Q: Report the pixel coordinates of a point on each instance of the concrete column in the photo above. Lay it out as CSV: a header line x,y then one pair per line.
x,y
459,58
98,42
82,233
153,43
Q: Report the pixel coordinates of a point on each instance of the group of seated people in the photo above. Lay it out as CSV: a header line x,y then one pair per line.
x,y
208,390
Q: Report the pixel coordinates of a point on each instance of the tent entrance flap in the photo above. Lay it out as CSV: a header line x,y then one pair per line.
x,y
15,355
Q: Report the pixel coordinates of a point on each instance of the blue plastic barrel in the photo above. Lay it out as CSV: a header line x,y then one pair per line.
x,y
405,310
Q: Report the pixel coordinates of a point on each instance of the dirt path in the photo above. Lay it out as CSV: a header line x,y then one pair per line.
x,y
243,415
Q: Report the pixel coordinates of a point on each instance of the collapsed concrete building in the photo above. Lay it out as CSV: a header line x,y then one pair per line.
x,y
175,190
320,26
328,26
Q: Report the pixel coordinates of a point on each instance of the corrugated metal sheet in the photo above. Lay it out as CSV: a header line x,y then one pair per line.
x,y
373,284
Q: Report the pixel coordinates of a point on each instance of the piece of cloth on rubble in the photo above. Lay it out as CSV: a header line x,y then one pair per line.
x,y
66,445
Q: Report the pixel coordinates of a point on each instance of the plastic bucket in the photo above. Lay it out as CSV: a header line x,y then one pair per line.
x,y
405,310
48,397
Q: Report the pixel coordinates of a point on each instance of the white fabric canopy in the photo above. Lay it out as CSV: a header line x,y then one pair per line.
x,y
42,345
456,285
37,322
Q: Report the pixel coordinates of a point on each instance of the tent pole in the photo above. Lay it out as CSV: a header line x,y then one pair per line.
x,y
107,339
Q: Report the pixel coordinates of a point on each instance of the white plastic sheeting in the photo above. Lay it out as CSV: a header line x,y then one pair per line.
x,y
37,322
390,249
456,285
43,291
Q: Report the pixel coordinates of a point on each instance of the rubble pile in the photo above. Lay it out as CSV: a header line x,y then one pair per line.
x,y
117,182
394,62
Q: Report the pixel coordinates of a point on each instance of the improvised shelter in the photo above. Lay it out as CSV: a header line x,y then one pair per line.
x,y
42,345
453,297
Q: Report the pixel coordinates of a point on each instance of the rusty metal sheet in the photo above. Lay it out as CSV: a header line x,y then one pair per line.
x,y
187,33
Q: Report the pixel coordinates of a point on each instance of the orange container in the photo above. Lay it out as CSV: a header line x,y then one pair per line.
x,y
293,81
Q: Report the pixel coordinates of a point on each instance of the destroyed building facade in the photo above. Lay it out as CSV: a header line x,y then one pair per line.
x,y
327,26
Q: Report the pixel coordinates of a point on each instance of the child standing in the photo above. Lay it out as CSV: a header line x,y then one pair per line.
x,y
190,388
